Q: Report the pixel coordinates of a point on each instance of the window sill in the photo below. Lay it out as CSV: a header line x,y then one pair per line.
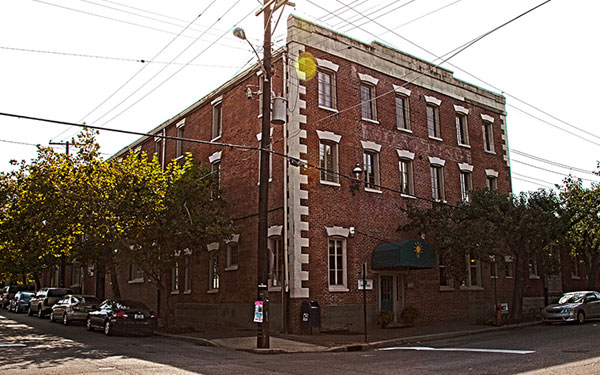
x,y
329,109
338,289
436,138
75,286
369,190
446,289
575,277
370,120
136,281
405,130
533,277
216,138
407,196
212,291
465,146
174,292
508,277
440,200
490,152
471,288
188,291
274,289
330,183
232,268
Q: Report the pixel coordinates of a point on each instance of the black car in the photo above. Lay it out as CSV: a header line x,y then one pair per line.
x,y
122,316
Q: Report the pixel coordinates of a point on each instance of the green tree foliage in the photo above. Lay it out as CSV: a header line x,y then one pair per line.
x,y
522,227
582,210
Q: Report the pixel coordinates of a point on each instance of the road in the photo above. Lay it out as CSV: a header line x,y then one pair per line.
x,y
29,345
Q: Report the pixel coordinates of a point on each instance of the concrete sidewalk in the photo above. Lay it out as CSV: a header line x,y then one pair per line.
x,y
245,339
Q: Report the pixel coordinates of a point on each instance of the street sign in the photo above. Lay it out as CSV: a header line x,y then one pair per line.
x,y
369,284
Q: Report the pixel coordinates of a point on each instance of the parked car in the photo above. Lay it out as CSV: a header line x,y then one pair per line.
x,y
42,302
573,307
8,293
73,307
120,316
20,302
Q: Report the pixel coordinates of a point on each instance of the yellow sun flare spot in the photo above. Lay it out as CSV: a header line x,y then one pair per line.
x,y
306,66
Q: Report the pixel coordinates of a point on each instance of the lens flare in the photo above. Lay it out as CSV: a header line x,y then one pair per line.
x,y
306,66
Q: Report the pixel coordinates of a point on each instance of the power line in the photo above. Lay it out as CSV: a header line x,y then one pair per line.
x,y
533,179
524,154
534,183
547,170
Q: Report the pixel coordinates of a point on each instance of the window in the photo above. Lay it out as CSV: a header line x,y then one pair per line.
x,y
371,169
508,267
215,169
328,161
402,113
187,274
337,263
533,268
406,176
213,270
437,179
491,180
433,121
180,134
494,270
327,88
367,102
488,133
232,256
462,131
175,278
275,262
466,186
158,149
446,282
75,274
135,274
473,273
217,118
574,268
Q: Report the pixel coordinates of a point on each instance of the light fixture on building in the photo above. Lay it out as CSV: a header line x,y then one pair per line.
x,y
357,171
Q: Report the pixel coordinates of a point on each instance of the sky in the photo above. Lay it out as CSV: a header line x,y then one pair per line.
x,y
133,64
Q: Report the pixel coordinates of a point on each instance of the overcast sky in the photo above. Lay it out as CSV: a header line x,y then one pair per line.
x,y
79,60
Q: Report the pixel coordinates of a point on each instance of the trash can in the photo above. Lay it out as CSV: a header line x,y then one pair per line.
x,y
310,314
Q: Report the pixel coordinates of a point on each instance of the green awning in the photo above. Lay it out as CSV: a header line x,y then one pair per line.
x,y
411,254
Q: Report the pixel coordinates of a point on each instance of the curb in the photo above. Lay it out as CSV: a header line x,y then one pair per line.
x,y
192,339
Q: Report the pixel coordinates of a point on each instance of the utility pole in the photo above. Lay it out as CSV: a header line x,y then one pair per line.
x,y
61,275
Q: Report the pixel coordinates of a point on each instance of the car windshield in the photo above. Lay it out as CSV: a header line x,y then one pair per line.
x,y
58,292
571,298
26,296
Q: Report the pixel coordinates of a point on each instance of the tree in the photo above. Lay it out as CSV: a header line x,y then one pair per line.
x,y
582,210
522,227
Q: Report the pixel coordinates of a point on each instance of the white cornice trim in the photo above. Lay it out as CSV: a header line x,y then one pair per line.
x,y
217,100
216,156
234,239
487,118
337,232
180,124
212,246
329,136
368,145
437,161
401,90
461,109
432,100
491,173
275,230
405,154
464,167
327,65
368,78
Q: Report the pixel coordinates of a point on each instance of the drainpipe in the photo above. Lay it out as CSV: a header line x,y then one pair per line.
x,y
286,278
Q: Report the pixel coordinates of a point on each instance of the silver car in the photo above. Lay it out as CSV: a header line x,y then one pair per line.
x,y
573,307
73,307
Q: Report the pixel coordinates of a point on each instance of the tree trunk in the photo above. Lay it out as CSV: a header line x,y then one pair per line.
x,y
114,282
592,274
100,281
516,311
36,279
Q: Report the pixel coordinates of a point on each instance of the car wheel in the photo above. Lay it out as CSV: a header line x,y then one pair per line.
x,y
29,311
65,319
88,324
40,312
581,317
52,317
108,330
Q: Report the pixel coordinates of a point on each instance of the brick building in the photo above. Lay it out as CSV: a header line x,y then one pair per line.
x,y
415,132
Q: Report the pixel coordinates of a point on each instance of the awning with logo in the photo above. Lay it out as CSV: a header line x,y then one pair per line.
x,y
404,254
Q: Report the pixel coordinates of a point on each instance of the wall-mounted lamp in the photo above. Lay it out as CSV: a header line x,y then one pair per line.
x,y
355,183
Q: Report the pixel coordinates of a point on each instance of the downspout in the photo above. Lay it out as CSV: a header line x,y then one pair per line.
x,y
286,278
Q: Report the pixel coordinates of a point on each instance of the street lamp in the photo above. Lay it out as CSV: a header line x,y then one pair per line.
x,y
357,171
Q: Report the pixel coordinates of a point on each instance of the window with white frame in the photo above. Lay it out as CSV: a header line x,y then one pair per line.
x,y
493,267
371,171
75,274
187,273
158,149
434,129
473,273
491,179
180,149
368,102
217,118
508,267
175,278
328,157
402,108
437,179
232,256
462,128
405,167
135,273
466,181
215,169
337,258
326,82
275,261
213,267
575,268
533,268
488,133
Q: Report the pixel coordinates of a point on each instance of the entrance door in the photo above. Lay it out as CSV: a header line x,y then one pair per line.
x,y
387,293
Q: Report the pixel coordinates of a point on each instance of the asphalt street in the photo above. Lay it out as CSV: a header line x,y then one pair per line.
x,y
29,345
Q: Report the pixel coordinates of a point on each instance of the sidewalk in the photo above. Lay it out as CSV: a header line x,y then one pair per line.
x,y
245,339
